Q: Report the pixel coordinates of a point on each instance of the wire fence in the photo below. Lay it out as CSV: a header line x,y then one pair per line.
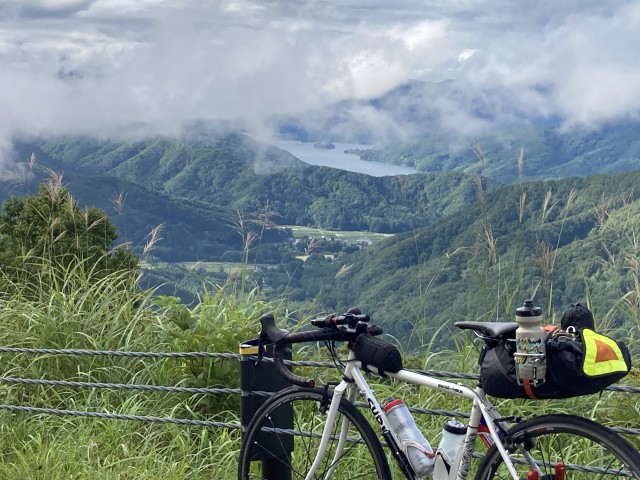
x,y
9,380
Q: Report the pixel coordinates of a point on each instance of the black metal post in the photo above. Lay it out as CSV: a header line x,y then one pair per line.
x,y
273,453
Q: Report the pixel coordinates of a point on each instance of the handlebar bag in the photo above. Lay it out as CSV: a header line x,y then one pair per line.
x,y
577,364
378,353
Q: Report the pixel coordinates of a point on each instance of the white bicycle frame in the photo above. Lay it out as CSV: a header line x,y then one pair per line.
x,y
481,408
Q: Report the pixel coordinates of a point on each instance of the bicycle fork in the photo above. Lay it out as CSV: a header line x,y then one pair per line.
x,y
351,375
331,414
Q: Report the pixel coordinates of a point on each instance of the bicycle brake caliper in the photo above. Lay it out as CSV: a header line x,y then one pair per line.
x,y
326,400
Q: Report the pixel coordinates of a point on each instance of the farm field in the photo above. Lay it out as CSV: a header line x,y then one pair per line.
x,y
343,235
217,267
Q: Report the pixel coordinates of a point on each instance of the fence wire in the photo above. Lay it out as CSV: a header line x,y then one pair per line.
x,y
199,390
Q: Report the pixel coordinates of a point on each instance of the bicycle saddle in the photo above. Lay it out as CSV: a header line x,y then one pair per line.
x,y
489,329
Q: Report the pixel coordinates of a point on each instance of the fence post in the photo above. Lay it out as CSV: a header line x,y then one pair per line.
x,y
264,377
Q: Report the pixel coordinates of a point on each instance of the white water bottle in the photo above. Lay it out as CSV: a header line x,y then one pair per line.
x,y
531,363
410,439
449,448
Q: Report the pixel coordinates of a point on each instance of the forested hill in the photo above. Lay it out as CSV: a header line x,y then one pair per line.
x,y
534,153
471,249
571,240
189,229
238,173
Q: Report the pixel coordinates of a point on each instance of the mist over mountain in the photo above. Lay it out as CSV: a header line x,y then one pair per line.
x,y
415,110
511,155
439,126
382,72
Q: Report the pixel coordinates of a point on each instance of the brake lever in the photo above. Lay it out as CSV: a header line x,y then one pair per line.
x,y
261,350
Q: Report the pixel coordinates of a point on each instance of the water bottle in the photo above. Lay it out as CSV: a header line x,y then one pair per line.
x,y
531,364
411,441
449,448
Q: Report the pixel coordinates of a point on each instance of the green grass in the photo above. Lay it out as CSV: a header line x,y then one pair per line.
x,y
53,448
111,313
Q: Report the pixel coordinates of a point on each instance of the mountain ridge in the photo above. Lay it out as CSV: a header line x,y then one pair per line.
x,y
491,254
467,241
239,173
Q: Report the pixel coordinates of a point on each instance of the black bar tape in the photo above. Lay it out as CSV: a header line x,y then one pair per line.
x,y
300,337
286,373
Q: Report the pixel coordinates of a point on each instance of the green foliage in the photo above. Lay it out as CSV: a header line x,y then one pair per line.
x,y
544,239
111,313
561,242
50,448
51,226
237,173
85,310
534,153
219,322
187,229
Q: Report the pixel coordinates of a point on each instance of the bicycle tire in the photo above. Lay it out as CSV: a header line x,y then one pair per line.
x,y
263,453
586,449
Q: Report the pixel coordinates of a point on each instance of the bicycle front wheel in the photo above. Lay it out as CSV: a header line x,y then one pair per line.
x,y
581,448
283,438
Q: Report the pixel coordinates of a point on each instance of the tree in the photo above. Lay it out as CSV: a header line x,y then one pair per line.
x,y
51,229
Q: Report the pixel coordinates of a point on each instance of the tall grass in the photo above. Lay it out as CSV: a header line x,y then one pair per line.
x,y
87,310
78,306
113,314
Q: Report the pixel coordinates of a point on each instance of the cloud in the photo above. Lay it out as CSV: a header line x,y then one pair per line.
x,y
45,8
101,66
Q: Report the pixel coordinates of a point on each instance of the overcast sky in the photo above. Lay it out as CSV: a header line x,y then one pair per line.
x,y
98,66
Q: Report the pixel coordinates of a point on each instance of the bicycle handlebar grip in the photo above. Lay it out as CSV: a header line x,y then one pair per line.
x,y
324,322
288,375
301,337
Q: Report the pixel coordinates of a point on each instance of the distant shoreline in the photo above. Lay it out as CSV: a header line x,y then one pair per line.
x,y
342,156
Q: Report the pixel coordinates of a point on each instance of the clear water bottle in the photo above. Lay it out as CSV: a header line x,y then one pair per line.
x,y
531,364
449,448
410,439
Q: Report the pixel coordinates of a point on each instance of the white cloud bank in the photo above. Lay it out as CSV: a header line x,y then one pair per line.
x,y
99,66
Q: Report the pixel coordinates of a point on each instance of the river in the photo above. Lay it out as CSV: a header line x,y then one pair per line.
x,y
336,158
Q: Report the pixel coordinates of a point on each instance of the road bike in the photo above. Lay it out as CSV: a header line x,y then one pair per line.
x,y
313,432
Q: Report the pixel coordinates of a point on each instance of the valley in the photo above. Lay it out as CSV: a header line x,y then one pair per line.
x,y
422,249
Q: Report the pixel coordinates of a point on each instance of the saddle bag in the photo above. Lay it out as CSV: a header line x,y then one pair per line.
x,y
578,364
378,353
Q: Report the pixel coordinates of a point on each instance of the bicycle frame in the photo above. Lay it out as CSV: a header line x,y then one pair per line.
x,y
481,407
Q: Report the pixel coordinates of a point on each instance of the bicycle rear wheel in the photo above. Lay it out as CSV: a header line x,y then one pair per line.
x,y
282,439
584,449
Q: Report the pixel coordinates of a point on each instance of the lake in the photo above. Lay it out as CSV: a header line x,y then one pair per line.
x,y
336,158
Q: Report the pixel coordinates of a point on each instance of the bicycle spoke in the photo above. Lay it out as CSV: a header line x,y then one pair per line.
x,y
358,456
584,449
